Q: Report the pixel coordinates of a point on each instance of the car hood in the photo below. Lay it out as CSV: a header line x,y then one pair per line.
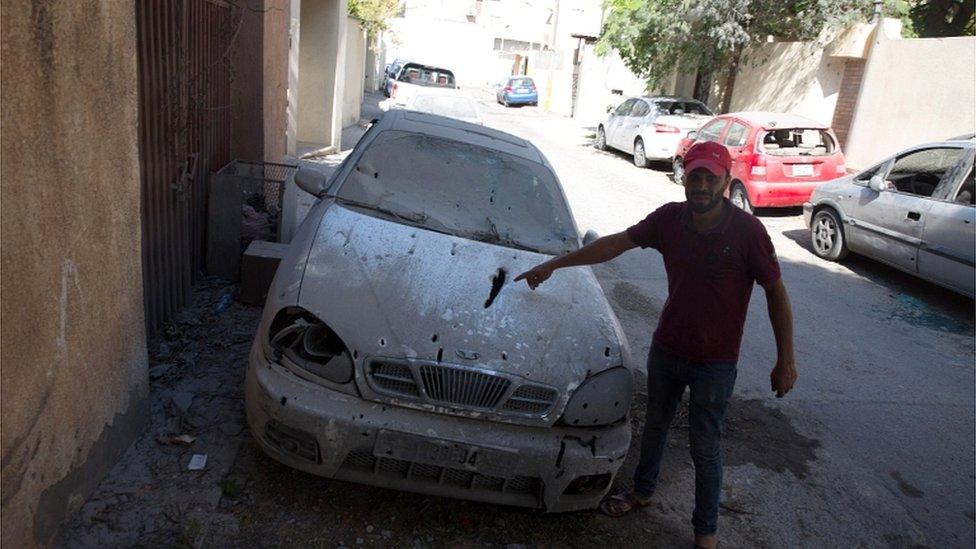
x,y
398,291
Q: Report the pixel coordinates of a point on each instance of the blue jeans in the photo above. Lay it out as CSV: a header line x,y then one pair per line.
x,y
711,386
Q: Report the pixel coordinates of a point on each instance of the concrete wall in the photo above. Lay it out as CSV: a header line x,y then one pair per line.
x,y
791,77
354,78
275,101
913,91
74,380
599,77
321,66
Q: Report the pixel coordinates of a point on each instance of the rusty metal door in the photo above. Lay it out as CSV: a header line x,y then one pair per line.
x,y
184,132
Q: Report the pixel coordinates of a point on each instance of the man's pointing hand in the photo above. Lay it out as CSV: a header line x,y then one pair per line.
x,y
535,276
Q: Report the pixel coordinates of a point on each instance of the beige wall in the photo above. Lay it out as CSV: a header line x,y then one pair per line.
x,y
321,64
275,102
792,77
354,78
73,350
913,91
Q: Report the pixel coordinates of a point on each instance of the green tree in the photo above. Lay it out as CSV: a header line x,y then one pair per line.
x,y
655,36
373,14
936,18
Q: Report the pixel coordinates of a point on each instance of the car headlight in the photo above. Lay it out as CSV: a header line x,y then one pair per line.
x,y
297,338
600,400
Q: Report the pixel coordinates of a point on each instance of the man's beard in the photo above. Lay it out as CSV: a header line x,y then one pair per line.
x,y
701,208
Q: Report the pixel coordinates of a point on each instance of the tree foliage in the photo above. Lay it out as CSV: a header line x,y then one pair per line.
x,y
653,36
936,18
373,14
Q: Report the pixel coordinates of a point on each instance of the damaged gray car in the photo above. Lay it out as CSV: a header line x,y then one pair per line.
x,y
395,350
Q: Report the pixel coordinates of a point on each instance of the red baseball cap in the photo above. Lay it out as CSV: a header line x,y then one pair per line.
x,y
709,155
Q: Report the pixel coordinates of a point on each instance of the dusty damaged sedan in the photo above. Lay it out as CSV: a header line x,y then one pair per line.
x,y
395,350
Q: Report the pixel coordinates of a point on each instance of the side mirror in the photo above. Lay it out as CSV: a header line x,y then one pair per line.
x,y
692,135
877,184
590,236
310,181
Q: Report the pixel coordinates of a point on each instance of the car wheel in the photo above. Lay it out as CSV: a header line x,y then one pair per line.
x,y
505,102
827,235
740,198
678,170
601,139
640,158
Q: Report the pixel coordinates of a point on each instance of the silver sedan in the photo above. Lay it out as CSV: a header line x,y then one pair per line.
x,y
395,349
914,211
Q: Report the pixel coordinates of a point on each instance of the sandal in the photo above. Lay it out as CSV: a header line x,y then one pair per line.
x,y
620,504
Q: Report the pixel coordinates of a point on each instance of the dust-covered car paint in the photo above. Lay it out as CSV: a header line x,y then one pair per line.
x,y
396,351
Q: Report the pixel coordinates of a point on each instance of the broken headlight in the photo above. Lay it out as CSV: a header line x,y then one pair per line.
x,y
600,400
299,338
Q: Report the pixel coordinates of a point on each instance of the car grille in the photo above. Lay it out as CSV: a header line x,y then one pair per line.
x,y
459,387
363,461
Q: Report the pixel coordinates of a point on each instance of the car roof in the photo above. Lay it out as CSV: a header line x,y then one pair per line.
x,y
773,120
668,98
458,130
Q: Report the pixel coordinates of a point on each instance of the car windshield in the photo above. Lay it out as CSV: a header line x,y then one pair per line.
x,y
445,105
461,189
797,142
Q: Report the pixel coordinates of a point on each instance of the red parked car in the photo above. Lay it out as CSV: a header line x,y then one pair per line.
x,y
777,159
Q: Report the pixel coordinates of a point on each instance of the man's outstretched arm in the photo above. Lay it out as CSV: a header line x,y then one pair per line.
x,y
783,375
598,251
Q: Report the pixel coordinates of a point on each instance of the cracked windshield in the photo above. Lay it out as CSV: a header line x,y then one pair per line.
x,y
463,190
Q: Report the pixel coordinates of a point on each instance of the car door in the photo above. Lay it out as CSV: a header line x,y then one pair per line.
x,y
735,141
619,117
631,125
887,225
947,254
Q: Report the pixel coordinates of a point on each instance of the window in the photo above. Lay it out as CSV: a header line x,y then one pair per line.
x,y
864,177
737,136
711,131
625,107
920,172
797,142
682,107
640,109
967,191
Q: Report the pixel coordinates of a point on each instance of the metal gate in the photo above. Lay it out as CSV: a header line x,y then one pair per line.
x,y
184,135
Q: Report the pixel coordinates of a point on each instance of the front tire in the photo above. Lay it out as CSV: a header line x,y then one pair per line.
x,y
740,198
678,170
640,156
827,236
601,139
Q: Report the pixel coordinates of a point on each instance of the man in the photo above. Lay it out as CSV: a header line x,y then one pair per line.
x,y
713,253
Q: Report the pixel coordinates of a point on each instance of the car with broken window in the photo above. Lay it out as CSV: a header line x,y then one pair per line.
x,y
915,211
395,350
777,159
413,78
650,128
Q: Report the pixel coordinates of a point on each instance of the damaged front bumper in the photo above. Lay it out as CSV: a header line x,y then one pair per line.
x,y
335,435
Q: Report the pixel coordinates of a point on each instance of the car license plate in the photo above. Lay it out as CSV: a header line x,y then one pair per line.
x,y
446,453
522,90
802,170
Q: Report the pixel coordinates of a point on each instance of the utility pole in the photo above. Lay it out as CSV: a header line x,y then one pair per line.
x,y
553,56
877,11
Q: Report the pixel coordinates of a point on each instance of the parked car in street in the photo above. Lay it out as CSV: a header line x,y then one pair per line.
x,y
517,90
914,211
650,128
395,350
444,102
391,72
777,159
412,77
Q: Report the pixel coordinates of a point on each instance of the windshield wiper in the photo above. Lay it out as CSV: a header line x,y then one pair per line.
x,y
414,218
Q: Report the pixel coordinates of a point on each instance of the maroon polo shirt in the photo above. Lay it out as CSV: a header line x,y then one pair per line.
x,y
710,278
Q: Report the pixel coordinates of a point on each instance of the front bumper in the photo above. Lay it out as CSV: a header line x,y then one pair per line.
x,y
335,435
766,194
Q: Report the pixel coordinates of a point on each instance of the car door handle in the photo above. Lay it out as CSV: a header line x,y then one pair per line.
x,y
914,216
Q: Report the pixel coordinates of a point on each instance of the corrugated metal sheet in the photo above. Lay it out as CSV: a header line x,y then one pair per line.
x,y
185,134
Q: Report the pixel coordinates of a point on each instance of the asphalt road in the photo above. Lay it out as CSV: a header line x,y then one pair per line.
x,y
875,445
